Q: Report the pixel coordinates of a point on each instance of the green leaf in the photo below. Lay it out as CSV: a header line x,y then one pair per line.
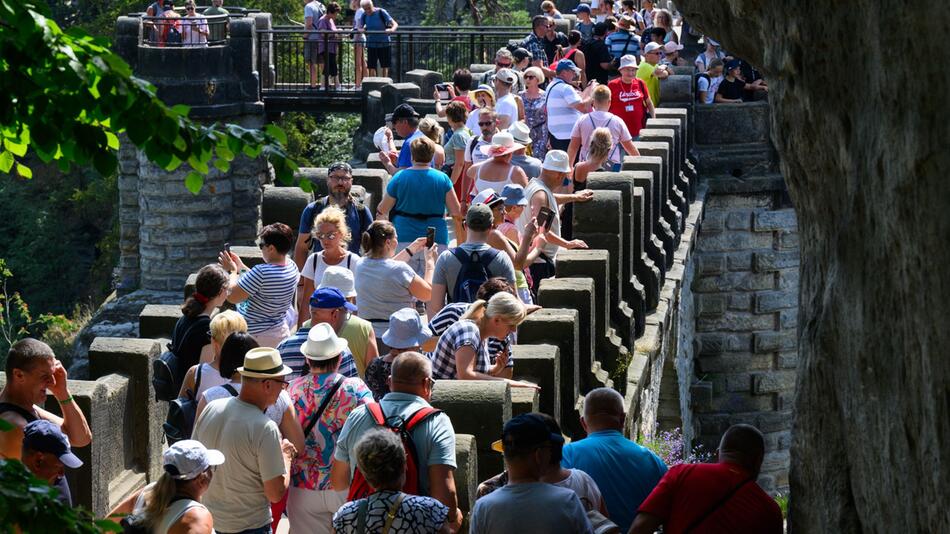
x,y
221,165
18,149
198,165
108,526
193,182
276,132
112,140
105,162
6,161
181,109
224,152
306,185
24,171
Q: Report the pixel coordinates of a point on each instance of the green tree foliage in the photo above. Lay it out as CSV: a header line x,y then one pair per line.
x,y
318,141
66,97
29,505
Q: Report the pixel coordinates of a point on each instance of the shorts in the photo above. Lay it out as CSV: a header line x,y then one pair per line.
x,y
381,55
310,52
330,66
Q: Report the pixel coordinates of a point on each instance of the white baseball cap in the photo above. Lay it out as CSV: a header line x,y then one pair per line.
x,y
188,458
650,47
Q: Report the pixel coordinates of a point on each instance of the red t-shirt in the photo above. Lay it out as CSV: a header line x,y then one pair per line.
x,y
687,491
628,101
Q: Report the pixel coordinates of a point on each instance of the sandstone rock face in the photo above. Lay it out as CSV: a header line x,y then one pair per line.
x,y
862,132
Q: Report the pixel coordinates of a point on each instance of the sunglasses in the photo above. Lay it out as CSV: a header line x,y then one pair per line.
x,y
503,65
261,245
489,123
283,384
330,236
530,77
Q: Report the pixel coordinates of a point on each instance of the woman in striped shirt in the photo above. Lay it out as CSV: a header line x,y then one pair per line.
x,y
265,293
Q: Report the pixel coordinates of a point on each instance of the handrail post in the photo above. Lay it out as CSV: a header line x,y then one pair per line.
x,y
398,78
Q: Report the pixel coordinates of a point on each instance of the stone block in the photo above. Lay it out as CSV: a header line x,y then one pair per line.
x,y
655,158
731,321
711,305
739,261
374,181
767,342
425,79
523,400
711,264
646,246
730,241
479,408
675,186
285,204
735,124
768,221
541,365
677,89
559,327
734,281
158,320
579,294
766,261
480,68
133,358
394,94
250,255
771,301
373,162
466,474
773,382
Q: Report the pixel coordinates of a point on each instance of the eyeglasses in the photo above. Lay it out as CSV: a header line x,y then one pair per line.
x,y
341,177
530,77
503,65
283,384
489,123
261,245
331,236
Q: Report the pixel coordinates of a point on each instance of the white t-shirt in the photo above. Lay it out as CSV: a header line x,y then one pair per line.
x,y
710,86
594,5
477,156
190,27
585,488
507,106
315,266
210,377
274,412
584,129
561,116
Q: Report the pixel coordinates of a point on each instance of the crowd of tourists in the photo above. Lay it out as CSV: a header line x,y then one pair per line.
x,y
310,399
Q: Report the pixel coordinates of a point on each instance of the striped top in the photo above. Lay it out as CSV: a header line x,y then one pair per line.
x,y
561,116
271,289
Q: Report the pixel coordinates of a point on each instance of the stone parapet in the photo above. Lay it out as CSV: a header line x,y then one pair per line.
x,y
479,408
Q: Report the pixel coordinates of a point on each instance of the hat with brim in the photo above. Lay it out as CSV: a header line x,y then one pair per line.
x,y
340,278
322,343
520,132
383,139
489,197
671,47
406,330
473,96
556,160
502,144
514,195
263,362
628,61
188,458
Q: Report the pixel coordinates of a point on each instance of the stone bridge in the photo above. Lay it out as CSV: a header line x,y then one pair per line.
x,y
686,302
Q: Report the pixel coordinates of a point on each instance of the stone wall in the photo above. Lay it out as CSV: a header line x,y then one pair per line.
x,y
746,291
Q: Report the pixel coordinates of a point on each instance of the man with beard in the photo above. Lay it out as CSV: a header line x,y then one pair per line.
x,y
358,216
31,370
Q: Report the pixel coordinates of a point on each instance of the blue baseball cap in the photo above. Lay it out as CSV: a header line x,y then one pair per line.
x,y
581,8
565,64
524,433
330,298
44,436
733,64
514,195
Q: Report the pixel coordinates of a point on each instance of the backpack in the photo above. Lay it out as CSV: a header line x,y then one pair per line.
x,y
173,36
359,488
168,372
180,420
473,273
696,83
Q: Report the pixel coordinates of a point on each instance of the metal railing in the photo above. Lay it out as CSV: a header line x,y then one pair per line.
x,y
185,31
291,51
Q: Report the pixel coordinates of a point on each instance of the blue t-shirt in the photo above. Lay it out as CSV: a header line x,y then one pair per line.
x,y
625,472
419,192
378,21
530,507
353,221
405,153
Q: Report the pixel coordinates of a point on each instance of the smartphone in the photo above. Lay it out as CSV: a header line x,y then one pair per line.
x,y
545,217
443,89
227,247
430,236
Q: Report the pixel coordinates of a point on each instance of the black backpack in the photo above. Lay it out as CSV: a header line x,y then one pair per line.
x,y
173,36
180,420
473,273
168,372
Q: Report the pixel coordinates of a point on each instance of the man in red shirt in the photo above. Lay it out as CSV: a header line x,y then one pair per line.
x,y
630,99
714,498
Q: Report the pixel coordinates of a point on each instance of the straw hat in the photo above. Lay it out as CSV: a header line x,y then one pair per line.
x,y
322,343
263,362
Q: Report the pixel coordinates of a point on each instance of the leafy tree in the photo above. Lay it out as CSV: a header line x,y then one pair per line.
x,y
67,97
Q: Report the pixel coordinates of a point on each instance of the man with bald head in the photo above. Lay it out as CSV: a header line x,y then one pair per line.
x,y
720,497
624,471
410,388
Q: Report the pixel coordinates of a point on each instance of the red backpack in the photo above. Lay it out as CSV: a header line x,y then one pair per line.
x,y
359,488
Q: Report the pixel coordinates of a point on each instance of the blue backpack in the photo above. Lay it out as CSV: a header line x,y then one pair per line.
x,y
473,273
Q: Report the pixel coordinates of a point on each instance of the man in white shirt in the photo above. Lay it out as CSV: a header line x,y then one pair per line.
x,y
506,107
564,104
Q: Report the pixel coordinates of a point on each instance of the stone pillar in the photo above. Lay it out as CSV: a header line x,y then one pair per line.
x,y
674,185
579,294
158,320
541,365
659,239
466,475
668,207
178,232
479,408
746,290
284,204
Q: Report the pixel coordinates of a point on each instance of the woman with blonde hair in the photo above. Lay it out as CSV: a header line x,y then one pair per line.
x,y
433,131
601,143
662,18
205,375
331,231
173,502
462,351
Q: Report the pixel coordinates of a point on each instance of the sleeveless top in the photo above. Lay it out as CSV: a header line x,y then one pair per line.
x,y
535,185
172,514
481,185
210,377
